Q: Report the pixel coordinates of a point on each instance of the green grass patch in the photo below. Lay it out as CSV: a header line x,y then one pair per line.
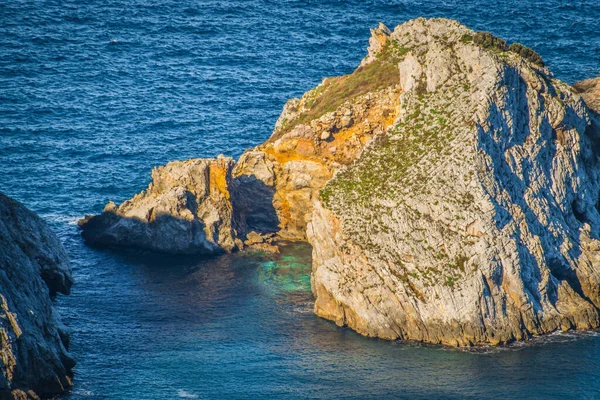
x,y
379,74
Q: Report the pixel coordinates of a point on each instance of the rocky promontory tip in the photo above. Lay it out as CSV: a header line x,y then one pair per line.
x,y
186,209
33,341
449,188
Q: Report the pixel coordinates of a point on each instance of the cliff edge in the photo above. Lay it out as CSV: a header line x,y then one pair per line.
x,y
589,90
33,342
474,219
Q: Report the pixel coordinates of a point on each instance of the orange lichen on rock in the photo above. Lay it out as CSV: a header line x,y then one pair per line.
x,y
306,157
219,171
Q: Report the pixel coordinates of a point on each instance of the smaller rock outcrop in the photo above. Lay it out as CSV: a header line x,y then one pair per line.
x,y
33,342
380,37
186,209
589,89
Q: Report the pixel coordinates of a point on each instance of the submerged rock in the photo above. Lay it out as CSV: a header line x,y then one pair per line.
x,y
33,342
474,218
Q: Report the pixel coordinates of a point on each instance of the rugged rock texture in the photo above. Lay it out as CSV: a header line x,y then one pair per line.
x,y
186,209
474,218
590,91
33,342
279,180
379,39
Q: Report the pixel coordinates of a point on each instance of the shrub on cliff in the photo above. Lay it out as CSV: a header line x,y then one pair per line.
x,y
377,75
526,53
489,41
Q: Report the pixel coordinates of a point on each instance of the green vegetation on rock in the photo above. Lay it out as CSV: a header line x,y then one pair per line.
x,y
492,43
424,132
526,53
489,42
333,92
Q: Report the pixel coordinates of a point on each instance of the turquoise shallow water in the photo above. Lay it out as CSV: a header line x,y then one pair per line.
x,y
93,94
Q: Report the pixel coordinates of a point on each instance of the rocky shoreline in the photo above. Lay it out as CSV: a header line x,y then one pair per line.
x,y
448,186
34,343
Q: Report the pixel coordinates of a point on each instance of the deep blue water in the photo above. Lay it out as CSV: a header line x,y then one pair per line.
x,y
93,94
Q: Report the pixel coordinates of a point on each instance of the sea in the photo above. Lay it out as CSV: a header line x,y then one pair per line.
x,y
94,94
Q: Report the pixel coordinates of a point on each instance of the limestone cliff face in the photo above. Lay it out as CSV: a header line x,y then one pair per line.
x,y
33,342
589,89
297,161
474,217
186,209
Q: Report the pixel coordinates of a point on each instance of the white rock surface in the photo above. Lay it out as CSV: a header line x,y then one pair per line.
x,y
474,219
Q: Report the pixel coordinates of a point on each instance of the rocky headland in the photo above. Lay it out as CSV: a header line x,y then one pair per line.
x,y
33,342
449,187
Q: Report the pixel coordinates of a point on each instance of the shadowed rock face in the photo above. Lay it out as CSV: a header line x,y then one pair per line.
x,y
474,218
33,341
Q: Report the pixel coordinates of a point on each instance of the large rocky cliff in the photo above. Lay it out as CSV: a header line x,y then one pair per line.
x,y
33,342
474,218
449,187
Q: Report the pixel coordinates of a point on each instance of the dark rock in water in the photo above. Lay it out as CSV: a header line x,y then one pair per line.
x,y
33,341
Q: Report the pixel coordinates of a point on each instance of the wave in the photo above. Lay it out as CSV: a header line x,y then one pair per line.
x,y
186,395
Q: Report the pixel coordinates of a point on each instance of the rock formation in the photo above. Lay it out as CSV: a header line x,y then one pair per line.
x,y
589,89
474,218
33,341
449,187
186,209
272,187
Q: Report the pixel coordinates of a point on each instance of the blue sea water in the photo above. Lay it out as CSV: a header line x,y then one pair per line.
x,y
94,94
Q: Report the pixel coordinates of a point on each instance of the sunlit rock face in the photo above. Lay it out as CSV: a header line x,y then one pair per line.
x,y
186,209
589,90
472,218
33,342
304,153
